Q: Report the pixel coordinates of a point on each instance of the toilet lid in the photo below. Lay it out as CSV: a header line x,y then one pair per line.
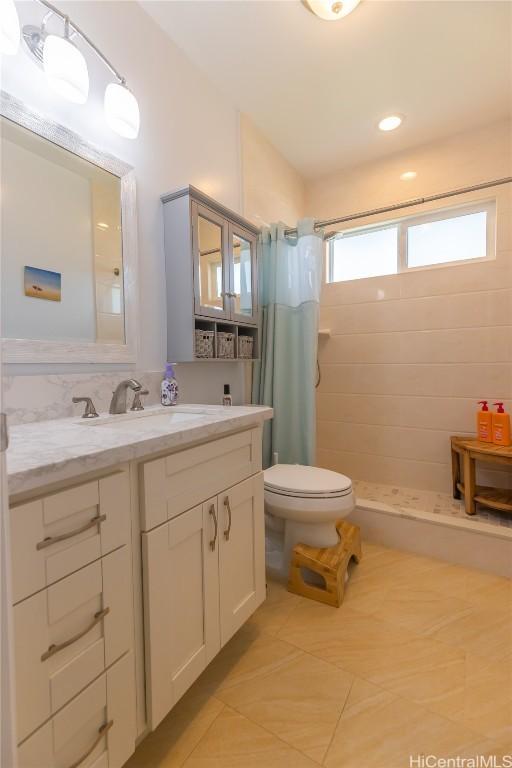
x,y
298,480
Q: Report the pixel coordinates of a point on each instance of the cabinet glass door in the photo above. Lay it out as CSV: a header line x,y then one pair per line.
x,y
211,279
243,277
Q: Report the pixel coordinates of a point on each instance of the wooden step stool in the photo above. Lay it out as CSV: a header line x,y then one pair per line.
x,y
330,563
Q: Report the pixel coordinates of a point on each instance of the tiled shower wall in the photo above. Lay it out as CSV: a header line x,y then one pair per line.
x,y
409,355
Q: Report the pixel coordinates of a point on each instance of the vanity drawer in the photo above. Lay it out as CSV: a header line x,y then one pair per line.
x,y
67,634
55,535
180,481
95,730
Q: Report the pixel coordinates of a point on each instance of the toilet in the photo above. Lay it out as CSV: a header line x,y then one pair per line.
x,y
302,504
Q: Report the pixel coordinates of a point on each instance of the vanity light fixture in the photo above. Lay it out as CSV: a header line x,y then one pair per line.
x,y
122,110
408,175
9,28
331,10
66,69
390,123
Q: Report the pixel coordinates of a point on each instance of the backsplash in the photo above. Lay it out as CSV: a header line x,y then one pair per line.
x,y
48,396
44,396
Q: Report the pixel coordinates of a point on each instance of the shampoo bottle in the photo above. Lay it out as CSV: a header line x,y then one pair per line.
x,y
484,423
169,387
500,426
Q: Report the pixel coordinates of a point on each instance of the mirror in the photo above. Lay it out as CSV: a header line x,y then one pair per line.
x,y
211,264
61,240
242,277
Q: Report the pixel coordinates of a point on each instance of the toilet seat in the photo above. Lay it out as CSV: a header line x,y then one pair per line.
x,y
302,482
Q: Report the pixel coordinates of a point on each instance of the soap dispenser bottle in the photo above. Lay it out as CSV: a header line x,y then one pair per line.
x,y
484,423
169,387
500,426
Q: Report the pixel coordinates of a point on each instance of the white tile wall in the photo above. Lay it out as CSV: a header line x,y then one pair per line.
x,y
408,357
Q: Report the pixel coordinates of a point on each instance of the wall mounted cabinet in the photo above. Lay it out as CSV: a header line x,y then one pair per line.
x,y
211,277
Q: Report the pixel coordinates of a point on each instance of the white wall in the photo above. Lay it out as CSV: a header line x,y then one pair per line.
x,y
189,134
52,232
272,189
411,354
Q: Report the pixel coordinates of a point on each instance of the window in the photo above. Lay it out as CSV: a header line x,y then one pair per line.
x,y
436,238
364,254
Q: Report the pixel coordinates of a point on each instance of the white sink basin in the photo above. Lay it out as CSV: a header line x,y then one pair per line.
x,y
141,420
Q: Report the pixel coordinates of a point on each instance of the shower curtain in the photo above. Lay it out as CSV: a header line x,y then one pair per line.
x,y
290,276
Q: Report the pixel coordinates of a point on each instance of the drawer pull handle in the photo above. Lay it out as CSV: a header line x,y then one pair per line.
x,y
55,648
228,507
214,540
54,539
105,728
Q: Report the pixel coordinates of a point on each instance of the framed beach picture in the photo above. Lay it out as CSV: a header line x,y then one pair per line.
x,y
42,284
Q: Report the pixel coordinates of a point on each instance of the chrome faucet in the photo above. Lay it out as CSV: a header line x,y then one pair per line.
x,y
118,402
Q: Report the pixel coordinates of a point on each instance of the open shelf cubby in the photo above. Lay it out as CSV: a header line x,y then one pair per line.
x,y
225,341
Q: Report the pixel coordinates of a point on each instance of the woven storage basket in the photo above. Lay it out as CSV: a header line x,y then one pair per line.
x,y
204,343
225,344
245,347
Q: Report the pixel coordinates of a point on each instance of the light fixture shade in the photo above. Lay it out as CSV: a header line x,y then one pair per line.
x,y
66,69
332,10
122,110
9,27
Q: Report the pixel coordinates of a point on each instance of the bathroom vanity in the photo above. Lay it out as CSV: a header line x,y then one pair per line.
x,y
137,546
136,539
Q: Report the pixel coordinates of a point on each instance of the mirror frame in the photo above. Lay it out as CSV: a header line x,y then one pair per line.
x,y
30,351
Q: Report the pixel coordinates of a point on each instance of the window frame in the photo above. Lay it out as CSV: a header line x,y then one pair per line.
x,y
404,223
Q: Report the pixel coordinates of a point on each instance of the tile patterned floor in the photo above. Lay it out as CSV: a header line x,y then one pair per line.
x,y
427,501
418,660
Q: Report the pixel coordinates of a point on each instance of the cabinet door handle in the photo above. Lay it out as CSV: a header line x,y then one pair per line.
x,y
56,647
54,539
228,507
105,728
212,514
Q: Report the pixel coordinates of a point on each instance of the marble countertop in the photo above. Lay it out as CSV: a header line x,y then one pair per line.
x,y
46,452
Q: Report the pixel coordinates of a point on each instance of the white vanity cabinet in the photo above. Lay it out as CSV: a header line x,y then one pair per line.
x,y
241,554
95,730
73,625
203,569
126,583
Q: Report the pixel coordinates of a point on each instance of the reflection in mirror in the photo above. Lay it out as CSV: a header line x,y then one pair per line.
x,y
61,240
242,266
211,266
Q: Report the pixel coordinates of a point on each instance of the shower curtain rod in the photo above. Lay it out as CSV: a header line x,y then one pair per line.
x,y
406,204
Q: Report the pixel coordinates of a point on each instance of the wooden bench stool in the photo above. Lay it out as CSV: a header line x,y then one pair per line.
x,y
330,563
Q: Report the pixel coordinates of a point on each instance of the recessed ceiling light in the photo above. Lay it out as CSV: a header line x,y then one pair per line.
x,y
331,10
408,175
101,225
390,123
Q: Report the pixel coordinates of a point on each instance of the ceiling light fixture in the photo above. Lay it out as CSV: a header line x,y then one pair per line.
x,y
66,69
331,10
408,175
9,28
390,123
